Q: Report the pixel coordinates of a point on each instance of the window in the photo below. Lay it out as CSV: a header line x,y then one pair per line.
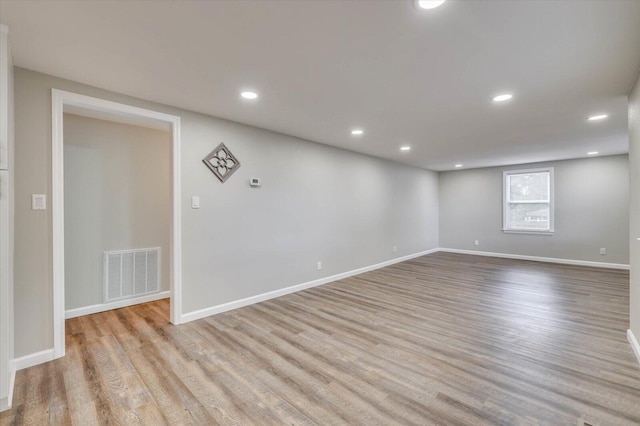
x,y
528,201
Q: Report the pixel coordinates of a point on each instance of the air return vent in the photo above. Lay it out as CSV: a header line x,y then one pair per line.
x,y
131,273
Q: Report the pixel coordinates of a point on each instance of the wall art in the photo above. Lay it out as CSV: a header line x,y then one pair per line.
x,y
222,162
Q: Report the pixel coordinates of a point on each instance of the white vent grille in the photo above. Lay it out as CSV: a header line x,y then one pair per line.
x,y
131,273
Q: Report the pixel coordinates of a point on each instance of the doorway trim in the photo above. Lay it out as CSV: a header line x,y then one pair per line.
x,y
60,98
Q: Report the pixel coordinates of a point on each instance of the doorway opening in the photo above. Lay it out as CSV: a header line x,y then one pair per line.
x,y
81,110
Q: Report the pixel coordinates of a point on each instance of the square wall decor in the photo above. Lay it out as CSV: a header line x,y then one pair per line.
x,y
222,162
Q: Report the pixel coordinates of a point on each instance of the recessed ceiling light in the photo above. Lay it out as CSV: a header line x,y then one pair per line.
x,y
597,117
429,4
503,97
249,95
593,153
457,166
357,132
405,148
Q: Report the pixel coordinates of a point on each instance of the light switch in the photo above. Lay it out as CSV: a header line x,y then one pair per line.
x,y
38,202
195,202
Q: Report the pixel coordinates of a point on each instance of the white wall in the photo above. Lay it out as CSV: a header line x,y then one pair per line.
x,y
317,203
117,190
634,209
591,211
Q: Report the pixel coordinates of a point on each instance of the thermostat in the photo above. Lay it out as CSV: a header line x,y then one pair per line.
x,y
255,182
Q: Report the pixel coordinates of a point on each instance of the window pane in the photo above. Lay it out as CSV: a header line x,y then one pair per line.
x,y
530,186
529,216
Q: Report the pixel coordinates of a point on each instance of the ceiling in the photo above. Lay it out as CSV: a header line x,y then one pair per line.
x,y
321,67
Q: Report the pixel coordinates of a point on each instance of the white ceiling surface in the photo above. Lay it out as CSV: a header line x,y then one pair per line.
x,y
322,67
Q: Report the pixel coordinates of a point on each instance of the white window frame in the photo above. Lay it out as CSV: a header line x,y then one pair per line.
x,y
506,202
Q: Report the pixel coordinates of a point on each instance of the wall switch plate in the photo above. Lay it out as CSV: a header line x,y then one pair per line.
x,y
38,202
603,251
476,243
195,202
319,266
395,249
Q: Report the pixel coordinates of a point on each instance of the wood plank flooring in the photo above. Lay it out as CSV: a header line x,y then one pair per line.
x,y
443,339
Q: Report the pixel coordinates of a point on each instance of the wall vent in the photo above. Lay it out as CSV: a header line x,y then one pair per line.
x,y
131,273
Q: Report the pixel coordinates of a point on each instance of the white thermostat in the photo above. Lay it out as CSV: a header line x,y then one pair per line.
x,y
255,182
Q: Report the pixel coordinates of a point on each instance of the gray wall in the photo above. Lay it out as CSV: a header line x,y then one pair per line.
x,y
117,196
591,211
634,210
317,203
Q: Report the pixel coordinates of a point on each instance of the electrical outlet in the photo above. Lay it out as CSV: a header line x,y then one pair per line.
x,y
395,249
319,266
38,202
603,251
476,242
195,202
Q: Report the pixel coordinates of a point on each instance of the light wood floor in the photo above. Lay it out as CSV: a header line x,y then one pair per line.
x,y
442,339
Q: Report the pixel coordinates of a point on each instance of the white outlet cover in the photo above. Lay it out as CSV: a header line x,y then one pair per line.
x,y
38,201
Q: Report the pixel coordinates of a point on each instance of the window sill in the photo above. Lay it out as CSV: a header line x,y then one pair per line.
x,y
527,232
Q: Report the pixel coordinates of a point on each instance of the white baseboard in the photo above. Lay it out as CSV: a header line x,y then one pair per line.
x,y
5,403
539,259
202,313
32,359
12,383
634,344
94,309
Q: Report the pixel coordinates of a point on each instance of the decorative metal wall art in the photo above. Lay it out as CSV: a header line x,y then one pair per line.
x,y
222,162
